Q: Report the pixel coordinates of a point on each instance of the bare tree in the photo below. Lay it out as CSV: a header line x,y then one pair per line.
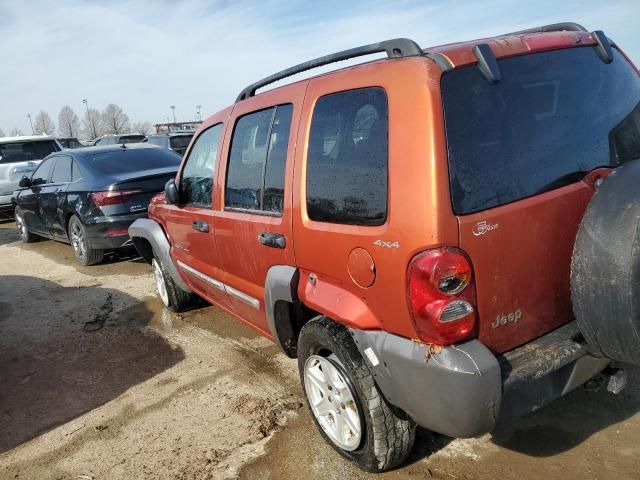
x,y
114,120
92,124
144,128
15,132
68,122
44,124
1,133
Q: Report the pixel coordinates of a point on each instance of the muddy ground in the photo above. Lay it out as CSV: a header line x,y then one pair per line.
x,y
98,381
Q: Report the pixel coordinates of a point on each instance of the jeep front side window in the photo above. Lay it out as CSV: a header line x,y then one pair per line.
x,y
347,158
196,180
257,159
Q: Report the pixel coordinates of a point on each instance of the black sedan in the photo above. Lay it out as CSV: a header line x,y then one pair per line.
x,y
88,197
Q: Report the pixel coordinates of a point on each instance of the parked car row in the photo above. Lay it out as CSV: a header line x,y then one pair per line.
x,y
21,155
88,197
411,229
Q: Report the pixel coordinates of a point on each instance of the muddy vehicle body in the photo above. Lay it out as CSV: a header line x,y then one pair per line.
x,y
406,229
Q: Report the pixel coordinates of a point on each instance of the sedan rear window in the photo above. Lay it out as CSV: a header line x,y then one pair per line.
x,y
133,160
181,142
26,151
131,139
553,117
159,140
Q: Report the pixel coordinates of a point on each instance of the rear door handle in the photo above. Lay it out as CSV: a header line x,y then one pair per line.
x,y
273,240
200,226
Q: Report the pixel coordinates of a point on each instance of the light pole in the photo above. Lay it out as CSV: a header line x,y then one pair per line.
x,y
198,116
173,109
30,123
93,128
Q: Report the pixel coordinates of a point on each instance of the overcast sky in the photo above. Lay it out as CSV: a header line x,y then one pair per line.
x,y
146,55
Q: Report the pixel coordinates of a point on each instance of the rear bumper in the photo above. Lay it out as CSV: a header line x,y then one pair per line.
x,y
110,232
465,390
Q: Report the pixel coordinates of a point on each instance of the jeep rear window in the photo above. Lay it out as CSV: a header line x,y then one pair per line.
x,y
553,117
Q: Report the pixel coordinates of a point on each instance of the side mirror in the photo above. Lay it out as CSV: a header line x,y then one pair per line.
x,y
171,192
25,182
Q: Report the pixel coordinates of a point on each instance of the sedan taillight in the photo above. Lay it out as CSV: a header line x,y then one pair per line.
x,y
112,197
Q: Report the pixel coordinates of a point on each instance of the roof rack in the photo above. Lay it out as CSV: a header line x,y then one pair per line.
x,y
396,48
554,27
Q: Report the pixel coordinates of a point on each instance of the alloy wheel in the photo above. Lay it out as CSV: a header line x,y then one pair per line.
x,y
77,240
20,226
332,402
161,285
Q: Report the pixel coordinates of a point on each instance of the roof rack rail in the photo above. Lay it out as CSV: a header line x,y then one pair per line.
x,y
396,48
554,27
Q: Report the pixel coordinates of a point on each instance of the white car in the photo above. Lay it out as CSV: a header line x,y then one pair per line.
x,y
20,156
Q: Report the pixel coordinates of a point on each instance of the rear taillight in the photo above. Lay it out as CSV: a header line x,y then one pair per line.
x,y
112,197
442,296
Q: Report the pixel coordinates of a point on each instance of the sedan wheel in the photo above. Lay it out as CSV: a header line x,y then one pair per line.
x,y
25,235
20,225
85,254
77,240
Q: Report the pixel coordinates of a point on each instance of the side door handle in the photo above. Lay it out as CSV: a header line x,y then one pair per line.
x,y
273,240
200,226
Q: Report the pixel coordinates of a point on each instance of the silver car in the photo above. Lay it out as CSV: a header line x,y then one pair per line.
x,y
20,156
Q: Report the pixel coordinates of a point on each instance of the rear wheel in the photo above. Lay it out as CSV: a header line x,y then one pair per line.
x,y
81,244
172,296
25,235
344,400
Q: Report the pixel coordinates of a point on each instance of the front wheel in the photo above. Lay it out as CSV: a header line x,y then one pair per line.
x,y
25,235
172,296
344,400
81,245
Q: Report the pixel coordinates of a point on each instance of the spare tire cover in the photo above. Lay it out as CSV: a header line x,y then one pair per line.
x,y
605,270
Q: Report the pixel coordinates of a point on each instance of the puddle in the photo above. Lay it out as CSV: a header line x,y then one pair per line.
x,y
300,452
208,318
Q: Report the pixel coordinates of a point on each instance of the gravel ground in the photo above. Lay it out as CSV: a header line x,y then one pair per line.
x,y
98,381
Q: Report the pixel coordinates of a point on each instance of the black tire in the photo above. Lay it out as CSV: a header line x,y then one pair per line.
x,y
386,438
81,244
25,235
605,270
175,299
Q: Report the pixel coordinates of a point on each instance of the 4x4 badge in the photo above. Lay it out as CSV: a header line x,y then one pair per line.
x,y
382,243
483,227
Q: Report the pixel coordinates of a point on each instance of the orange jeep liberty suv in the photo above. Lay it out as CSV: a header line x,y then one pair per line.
x,y
445,237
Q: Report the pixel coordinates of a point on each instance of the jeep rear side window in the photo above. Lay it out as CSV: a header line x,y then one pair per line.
x,y
257,159
347,158
196,180
552,118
